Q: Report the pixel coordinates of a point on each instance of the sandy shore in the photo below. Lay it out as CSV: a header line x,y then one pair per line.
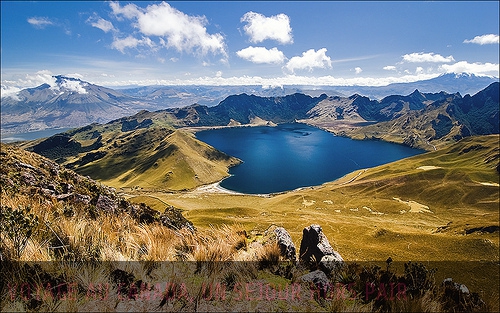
x,y
215,188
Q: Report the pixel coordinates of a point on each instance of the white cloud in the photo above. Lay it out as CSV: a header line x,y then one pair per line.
x,y
389,68
102,24
262,55
480,69
182,32
9,91
130,42
40,22
484,39
128,11
73,85
427,58
419,70
358,70
278,81
309,60
260,27
74,75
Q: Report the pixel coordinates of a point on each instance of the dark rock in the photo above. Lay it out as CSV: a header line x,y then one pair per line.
x,y
67,188
74,197
457,298
105,203
448,282
173,218
314,245
285,243
319,280
28,179
78,198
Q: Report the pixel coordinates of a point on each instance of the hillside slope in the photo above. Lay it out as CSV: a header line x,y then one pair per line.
x,y
137,152
440,206
425,121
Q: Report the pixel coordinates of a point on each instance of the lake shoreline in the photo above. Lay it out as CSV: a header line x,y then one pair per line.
x,y
296,155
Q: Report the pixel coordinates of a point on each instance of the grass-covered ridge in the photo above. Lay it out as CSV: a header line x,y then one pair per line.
x,y
141,151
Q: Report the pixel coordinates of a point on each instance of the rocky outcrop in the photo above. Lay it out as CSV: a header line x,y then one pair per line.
x,y
26,173
318,279
457,297
287,248
314,247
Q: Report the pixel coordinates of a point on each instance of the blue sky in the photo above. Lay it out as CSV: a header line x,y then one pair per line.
x,y
253,42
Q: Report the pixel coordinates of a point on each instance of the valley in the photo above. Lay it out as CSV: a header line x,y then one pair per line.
x,y
406,209
164,201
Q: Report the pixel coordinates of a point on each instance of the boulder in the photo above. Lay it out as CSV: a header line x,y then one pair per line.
x,y
287,248
331,263
318,279
75,197
106,204
449,283
314,246
457,297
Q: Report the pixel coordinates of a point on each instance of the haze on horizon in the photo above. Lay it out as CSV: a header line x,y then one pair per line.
x,y
245,43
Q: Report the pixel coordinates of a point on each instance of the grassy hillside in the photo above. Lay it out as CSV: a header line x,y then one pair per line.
x,y
404,210
137,152
440,205
172,160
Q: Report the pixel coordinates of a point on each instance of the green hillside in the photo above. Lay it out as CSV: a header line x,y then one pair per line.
x,y
141,151
440,205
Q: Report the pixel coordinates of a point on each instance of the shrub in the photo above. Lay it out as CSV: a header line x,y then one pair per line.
x,y
17,226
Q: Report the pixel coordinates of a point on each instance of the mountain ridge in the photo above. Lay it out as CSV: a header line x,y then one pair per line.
x,y
71,102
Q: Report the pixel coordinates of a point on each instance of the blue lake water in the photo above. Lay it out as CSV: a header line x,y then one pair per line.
x,y
290,156
32,135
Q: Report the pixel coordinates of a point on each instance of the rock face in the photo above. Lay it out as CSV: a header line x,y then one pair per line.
x,y
285,243
318,279
314,247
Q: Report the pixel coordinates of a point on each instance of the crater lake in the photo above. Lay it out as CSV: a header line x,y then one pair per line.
x,y
290,156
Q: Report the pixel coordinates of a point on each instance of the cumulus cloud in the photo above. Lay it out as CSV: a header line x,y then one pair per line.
x,y
358,70
130,42
40,22
10,91
98,22
481,69
309,60
427,58
389,68
484,39
178,30
260,27
73,85
262,55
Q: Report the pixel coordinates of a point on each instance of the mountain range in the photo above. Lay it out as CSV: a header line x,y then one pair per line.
x,y
156,150
71,102
420,120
